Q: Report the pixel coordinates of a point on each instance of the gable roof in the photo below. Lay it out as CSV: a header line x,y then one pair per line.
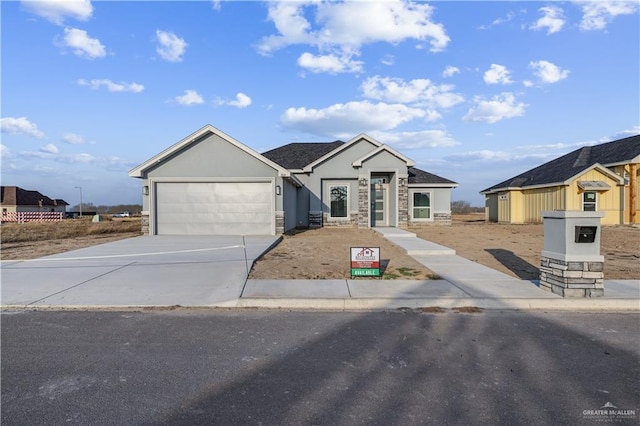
x,y
16,196
417,176
299,154
309,167
562,169
359,161
204,132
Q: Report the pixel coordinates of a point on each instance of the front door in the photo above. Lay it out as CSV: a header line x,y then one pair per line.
x,y
379,216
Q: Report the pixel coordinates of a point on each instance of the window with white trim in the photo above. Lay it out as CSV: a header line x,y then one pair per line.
x,y
589,201
421,209
339,201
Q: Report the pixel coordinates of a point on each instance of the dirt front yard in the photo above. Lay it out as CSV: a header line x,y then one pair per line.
x,y
324,253
512,249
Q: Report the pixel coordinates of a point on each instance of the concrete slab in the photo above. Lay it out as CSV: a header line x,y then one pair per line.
x,y
394,232
141,271
403,289
291,289
418,247
622,289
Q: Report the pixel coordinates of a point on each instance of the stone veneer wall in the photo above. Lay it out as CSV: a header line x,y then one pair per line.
x,y
438,219
403,204
351,223
363,204
145,223
279,222
572,279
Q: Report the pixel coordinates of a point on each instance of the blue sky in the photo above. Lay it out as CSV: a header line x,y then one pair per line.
x,y
473,91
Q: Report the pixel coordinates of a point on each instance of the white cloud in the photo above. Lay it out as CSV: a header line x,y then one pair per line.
x,y
597,14
44,154
494,156
416,140
111,86
342,28
498,21
495,109
5,152
57,11
171,47
216,5
450,71
345,120
242,101
547,72
73,139
190,97
497,74
527,83
552,19
635,130
329,63
414,91
388,60
20,125
81,44
50,149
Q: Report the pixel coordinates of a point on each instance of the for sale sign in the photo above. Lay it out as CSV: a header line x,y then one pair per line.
x,y
365,261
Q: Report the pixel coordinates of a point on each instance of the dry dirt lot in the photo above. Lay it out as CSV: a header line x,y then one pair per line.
x,y
324,253
512,249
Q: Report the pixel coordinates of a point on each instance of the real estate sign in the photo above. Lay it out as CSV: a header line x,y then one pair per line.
x,y
365,261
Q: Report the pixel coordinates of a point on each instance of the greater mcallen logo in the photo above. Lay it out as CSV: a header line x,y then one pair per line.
x,y
609,412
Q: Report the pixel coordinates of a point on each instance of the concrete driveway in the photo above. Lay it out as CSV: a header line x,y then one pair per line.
x,y
141,271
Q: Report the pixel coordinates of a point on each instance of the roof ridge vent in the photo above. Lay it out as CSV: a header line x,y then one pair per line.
x,y
583,157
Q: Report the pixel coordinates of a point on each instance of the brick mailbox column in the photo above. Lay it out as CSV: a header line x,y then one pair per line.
x,y
571,264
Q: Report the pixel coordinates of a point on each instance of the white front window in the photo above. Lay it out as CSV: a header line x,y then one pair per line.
x,y
421,208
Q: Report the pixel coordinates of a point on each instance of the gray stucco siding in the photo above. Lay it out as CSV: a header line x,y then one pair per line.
x,y
384,161
289,200
212,157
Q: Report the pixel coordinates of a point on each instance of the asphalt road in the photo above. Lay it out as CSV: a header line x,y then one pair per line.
x,y
290,368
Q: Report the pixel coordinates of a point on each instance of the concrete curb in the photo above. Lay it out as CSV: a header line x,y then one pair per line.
x,y
349,304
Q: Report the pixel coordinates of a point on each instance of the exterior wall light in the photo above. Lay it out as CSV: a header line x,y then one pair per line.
x,y
363,181
145,190
278,190
402,181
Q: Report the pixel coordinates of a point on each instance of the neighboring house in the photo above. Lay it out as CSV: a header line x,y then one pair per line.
x,y
593,178
210,183
15,199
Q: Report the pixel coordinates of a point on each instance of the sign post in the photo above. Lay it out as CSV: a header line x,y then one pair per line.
x,y
365,261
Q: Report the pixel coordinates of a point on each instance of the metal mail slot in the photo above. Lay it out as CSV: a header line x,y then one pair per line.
x,y
586,234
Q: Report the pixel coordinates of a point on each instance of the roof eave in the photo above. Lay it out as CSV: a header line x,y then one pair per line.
x,y
139,171
359,161
434,185
309,168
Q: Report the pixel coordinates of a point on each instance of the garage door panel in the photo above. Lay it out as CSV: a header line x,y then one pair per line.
x,y
224,208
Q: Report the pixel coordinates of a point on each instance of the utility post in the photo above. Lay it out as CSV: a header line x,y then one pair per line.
x,y
80,188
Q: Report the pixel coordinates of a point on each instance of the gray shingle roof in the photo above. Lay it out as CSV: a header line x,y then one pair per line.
x,y
16,196
420,176
299,154
563,168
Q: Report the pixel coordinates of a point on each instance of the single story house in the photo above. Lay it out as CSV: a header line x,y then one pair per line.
x,y
14,199
592,178
210,183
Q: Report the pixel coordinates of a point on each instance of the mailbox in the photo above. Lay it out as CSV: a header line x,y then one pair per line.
x,y
585,234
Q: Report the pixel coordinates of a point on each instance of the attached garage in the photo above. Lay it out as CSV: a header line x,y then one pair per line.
x,y
211,184
214,208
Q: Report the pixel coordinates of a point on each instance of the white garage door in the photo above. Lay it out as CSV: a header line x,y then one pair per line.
x,y
214,208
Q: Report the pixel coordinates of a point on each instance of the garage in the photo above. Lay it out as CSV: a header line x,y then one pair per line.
x,y
214,208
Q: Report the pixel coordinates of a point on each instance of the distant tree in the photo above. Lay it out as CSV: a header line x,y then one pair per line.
x,y
460,207
86,207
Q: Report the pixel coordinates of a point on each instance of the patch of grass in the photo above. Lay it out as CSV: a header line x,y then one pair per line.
x,y
68,228
407,272
390,276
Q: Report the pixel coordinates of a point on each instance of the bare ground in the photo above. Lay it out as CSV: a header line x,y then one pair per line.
x,y
324,253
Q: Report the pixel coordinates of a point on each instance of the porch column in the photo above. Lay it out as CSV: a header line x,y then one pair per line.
x,y
363,202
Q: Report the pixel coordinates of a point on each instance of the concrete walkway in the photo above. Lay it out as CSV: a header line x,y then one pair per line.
x,y
211,271
464,283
